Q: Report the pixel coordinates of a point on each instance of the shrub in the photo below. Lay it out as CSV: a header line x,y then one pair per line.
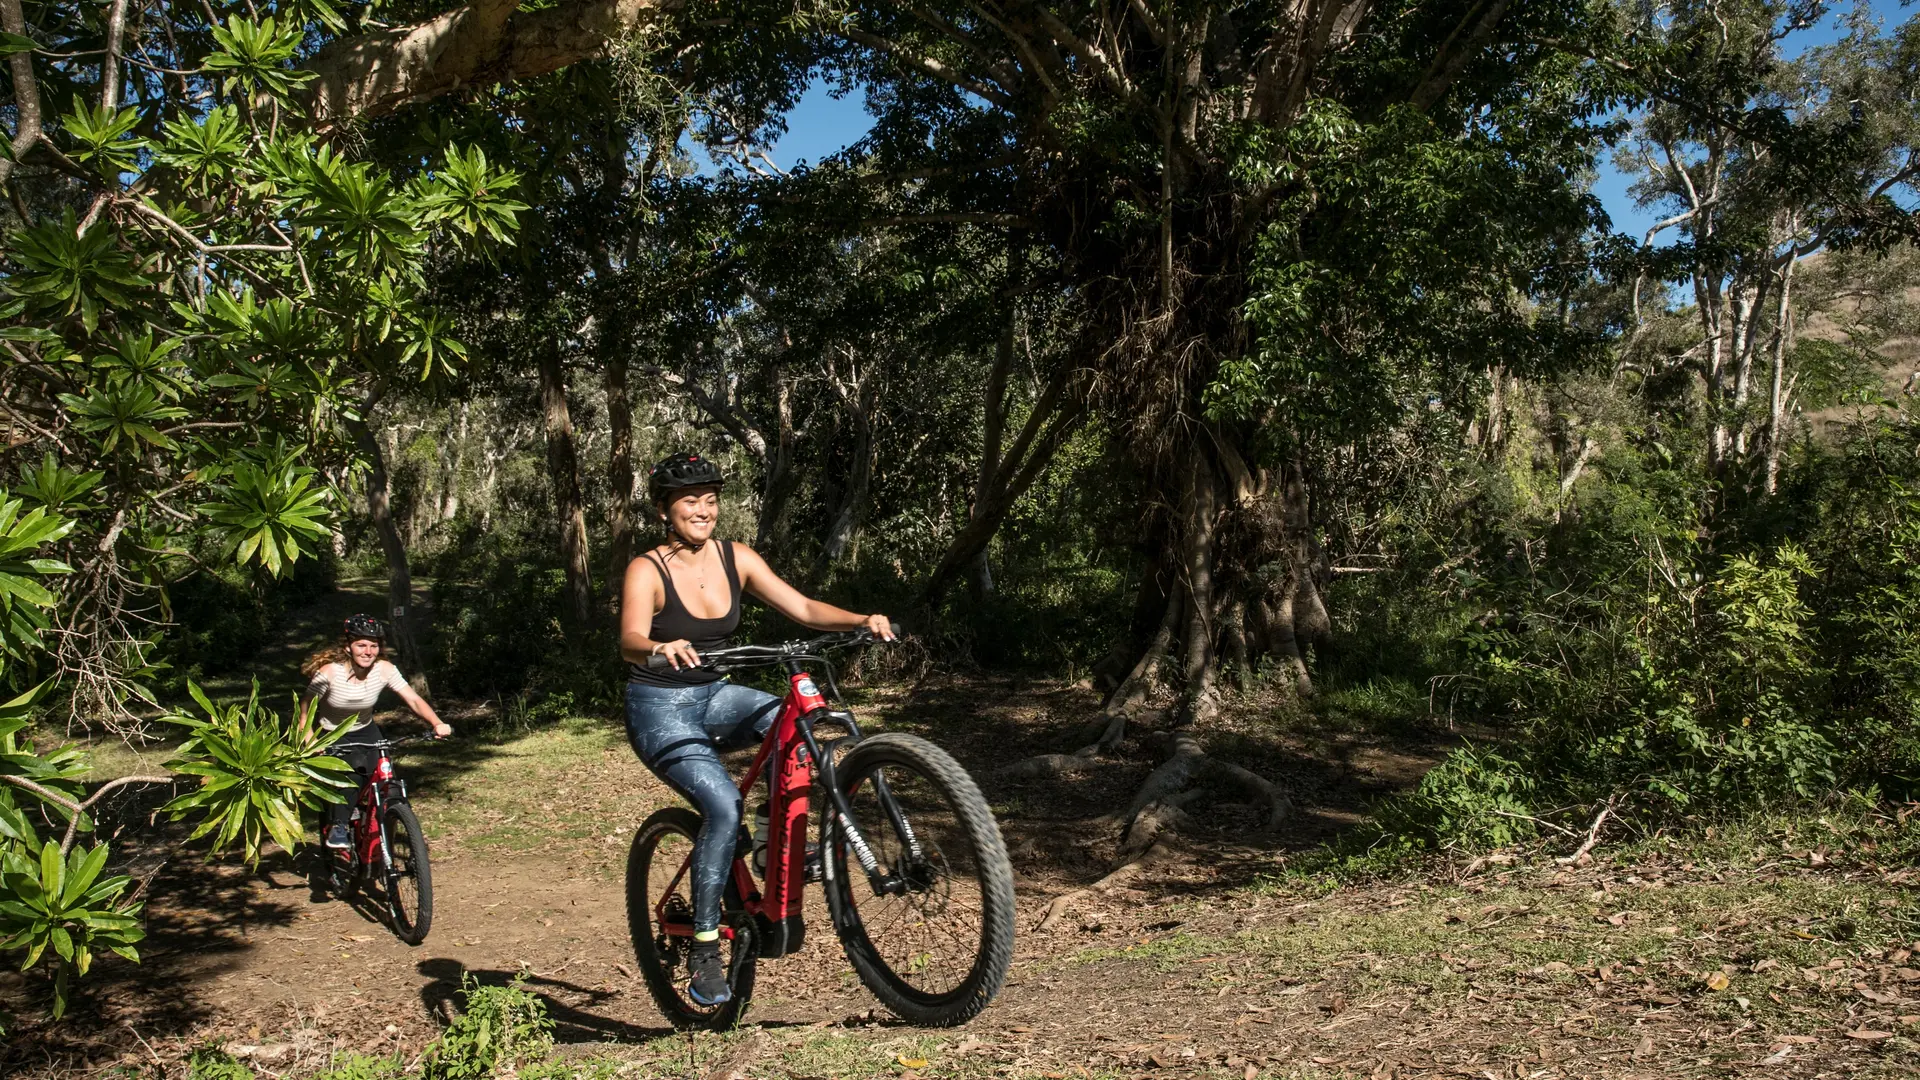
x,y
501,1029
362,1067
210,1063
256,773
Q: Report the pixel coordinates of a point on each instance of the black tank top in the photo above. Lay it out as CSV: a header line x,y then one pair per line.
x,y
674,622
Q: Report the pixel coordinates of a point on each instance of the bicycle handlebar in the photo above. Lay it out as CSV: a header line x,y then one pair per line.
x,y
744,656
406,740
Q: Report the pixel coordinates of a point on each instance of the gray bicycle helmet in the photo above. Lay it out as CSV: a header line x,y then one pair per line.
x,y
359,627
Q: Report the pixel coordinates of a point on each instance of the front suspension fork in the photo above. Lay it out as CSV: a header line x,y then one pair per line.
x,y
882,879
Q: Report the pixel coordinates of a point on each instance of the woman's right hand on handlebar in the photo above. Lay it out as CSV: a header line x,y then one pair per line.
x,y
679,654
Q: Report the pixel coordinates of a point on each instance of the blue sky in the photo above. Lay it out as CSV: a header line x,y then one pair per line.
x,y
821,125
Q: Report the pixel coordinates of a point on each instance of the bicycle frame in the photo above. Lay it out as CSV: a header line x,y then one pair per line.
x,y
789,754
369,834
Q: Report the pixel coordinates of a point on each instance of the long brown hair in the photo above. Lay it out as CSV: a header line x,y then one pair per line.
x,y
336,653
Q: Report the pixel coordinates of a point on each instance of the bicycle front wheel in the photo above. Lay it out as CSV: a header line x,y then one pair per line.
x,y
934,943
409,875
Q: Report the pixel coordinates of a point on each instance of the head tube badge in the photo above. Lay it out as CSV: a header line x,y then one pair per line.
x,y
806,688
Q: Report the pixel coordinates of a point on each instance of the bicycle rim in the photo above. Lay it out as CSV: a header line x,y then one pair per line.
x,y
654,863
936,947
409,881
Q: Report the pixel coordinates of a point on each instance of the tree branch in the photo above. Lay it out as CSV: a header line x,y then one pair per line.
x,y
26,90
488,41
926,65
110,66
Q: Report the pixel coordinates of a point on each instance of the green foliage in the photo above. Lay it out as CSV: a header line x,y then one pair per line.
x,y
24,601
212,1063
65,272
257,774
1476,798
61,904
501,1028
255,56
55,906
265,509
362,1067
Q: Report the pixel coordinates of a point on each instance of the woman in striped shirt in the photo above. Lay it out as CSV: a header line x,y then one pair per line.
x,y
343,685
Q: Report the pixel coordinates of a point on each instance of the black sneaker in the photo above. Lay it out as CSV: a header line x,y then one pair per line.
x,y
709,983
337,837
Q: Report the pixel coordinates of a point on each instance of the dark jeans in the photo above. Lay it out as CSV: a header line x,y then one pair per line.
x,y
678,731
356,749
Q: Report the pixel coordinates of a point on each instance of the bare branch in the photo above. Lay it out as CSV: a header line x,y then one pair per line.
x,y
110,66
926,65
26,90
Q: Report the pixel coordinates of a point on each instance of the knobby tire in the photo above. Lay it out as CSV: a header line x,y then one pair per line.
x,y
847,883
665,972
407,847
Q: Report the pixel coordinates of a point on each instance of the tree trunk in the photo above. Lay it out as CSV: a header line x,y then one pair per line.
x,y
564,470
1311,622
485,42
1054,417
1777,395
619,470
399,575
778,479
452,461
853,503
992,435
1198,517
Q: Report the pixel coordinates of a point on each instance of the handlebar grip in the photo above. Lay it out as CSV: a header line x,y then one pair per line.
x,y
656,662
896,629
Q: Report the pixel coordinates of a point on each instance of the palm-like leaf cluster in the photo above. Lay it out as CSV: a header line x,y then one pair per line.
x,y
256,774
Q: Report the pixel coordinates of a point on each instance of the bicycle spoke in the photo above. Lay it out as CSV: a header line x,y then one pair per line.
x,y
928,935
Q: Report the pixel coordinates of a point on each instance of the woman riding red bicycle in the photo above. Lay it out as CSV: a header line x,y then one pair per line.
x,y
680,598
344,682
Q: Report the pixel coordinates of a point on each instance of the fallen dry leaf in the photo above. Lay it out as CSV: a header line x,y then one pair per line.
x,y
1869,1035
1718,981
911,1063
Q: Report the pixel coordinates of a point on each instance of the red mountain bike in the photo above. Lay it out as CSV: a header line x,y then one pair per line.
x,y
386,845
917,879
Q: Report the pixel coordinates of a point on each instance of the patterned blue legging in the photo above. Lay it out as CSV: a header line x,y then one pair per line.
x,y
678,731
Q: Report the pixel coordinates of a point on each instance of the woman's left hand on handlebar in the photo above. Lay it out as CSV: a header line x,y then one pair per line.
x,y
442,730
880,626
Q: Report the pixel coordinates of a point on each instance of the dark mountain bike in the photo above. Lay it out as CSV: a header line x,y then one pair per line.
x,y
917,880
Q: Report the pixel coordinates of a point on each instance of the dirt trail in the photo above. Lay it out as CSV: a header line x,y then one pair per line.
x,y
1749,959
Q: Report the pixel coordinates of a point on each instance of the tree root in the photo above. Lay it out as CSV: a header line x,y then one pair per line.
x,y
1159,811
1119,876
1045,766
1106,732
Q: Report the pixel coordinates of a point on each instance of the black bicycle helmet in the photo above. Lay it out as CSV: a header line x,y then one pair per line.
x,y
358,627
682,471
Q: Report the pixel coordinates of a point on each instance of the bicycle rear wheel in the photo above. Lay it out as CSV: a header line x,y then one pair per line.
x,y
654,872
409,875
935,946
